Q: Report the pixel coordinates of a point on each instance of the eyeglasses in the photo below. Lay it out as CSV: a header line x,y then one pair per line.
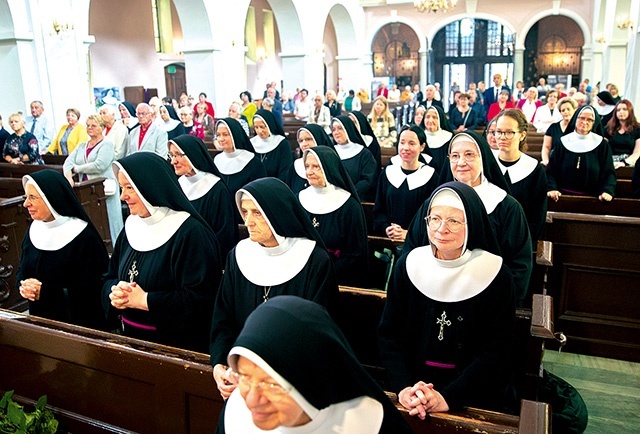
x,y
434,223
274,392
467,156
507,134
587,120
32,198
138,114
176,156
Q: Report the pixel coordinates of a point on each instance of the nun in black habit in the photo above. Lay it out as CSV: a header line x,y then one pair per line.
x,y
447,328
361,166
370,140
583,164
309,136
165,268
200,181
270,144
311,380
336,213
283,256
472,162
439,134
238,163
63,256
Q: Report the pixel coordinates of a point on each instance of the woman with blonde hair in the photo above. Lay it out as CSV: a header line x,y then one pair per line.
x,y
383,122
69,136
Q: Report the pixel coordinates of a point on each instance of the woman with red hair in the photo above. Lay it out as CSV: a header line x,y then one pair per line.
x,y
623,133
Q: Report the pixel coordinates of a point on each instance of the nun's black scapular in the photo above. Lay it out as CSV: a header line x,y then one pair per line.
x,y
241,165
450,322
274,151
208,196
369,137
582,163
302,346
173,126
173,255
337,215
361,166
298,265
67,255
507,218
401,192
296,178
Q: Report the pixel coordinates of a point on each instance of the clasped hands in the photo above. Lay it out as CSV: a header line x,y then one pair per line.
x,y
128,295
30,289
421,399
395,232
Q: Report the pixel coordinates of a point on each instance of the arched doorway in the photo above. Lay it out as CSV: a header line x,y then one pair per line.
x,y
395,54
553,49
175,79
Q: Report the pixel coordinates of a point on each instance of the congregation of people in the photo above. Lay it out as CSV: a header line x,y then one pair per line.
x,y
234,243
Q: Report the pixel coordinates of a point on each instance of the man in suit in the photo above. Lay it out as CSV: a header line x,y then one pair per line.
x,y
147,137
430,97
277,105
491,94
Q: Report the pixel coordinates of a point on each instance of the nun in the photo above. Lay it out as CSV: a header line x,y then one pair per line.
x,y
169,122
128,115
284,255
63,256
281,391
583,164
361,166
309,136
237,163
270,144
333,206
200,181
403,186
370,140
447,328
439,134
472,162
165,267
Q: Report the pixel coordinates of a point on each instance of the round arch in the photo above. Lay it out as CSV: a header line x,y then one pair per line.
x,y
422,38
345,30
479,16
586,32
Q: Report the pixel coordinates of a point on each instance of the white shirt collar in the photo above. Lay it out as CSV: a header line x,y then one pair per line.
x,y
268,266
323,200
146,234
451,281
420,177
491,195
438,139
521,169
262,146
56,234
349,150
230,163
580,144
196,186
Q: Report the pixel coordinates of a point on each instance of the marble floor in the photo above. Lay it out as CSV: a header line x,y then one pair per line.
x,y
610,388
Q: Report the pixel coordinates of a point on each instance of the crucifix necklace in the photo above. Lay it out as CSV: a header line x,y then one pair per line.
x,y
442,321
133,272
265,295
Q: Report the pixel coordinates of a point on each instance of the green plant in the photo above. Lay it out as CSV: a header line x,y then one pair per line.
x,y
13,418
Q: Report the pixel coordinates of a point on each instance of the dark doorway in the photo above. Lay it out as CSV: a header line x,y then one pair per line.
x,y
175,79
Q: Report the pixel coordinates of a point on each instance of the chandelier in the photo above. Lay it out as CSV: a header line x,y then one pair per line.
x,y
434,5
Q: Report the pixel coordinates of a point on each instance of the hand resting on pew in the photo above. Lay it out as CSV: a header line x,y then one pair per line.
x,y
128,295
30,289
555,195
421,398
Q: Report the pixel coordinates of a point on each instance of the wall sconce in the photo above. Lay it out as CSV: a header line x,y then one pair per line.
x,y
624,24
261,53
600,39
61,27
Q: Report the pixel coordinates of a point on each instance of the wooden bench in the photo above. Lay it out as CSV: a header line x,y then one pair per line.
x,y
8,170
592,205
54,159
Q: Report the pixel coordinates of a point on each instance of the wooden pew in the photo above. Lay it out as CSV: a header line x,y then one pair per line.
x,y
594,282
54,159
592,205
8,170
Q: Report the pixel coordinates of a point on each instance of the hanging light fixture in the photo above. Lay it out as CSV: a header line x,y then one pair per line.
x,y
434,5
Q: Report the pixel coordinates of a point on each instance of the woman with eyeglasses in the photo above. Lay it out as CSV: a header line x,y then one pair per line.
x,y
446,331
281,391
524,174
200,181
309,136
472,162
582,163
438,131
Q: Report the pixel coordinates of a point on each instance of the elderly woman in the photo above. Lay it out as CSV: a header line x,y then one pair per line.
x,y
361,166
234,112
489,135
284,255
320,114
21,147
462,117
403,186
63,256
582,163
93,159
503,103
524,174
190,125
335,210
418,115
547,114
370,141
438,134
128,115
383,122
165,266
270,145
567,107
69,135
200,181
473,163
530,104
237,163
446,330
169,122
280,391
309,136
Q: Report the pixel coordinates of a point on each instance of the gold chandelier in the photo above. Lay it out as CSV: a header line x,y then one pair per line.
x,y
434,5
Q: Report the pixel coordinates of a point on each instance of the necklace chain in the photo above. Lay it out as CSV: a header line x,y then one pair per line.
x,y
265,295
